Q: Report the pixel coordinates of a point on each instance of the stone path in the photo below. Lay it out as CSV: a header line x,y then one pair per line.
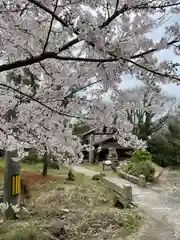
x,y
157,204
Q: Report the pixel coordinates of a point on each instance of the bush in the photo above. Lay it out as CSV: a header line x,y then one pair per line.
x,y
165,151
142,168
165,146
140,164
129,168
141,156
145,168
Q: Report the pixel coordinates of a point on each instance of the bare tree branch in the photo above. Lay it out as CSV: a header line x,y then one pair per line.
x,y
50,27
117,5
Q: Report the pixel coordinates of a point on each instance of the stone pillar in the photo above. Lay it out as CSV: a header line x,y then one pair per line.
x,y
91,150
142,181
11,183
127,193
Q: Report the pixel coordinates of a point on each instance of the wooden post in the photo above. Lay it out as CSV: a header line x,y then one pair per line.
x,y
11,183
91,151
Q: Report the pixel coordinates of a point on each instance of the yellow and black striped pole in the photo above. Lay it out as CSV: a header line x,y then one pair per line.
x,y
15,185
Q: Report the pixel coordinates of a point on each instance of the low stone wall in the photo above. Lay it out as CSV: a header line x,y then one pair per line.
x,y
124,192
141,181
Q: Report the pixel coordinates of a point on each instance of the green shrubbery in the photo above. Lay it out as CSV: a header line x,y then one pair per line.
x,y
140,164
140,156
165,146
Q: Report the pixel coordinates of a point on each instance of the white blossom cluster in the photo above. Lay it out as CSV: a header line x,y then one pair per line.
x,y
50,52
5,206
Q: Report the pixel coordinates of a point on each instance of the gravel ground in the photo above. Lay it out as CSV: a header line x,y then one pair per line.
x,y
154,230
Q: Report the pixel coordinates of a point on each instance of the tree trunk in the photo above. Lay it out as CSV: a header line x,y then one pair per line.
x,y
45,164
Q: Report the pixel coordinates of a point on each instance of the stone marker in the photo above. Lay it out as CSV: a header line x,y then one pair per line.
x,y
113,157
142,181
11,183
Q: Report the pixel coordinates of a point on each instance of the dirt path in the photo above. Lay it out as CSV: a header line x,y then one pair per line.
x,y
153,230
157,203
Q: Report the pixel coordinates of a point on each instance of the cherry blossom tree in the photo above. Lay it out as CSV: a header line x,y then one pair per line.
x,y
150,109
26,124
60,46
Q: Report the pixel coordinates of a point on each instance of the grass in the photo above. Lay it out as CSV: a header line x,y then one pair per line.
x,y
98,168
34,168
60,209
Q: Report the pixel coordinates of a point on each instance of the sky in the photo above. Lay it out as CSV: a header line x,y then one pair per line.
x,y
168,54
172,89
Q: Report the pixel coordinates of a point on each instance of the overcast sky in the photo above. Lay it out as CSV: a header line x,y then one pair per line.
x,y
171,88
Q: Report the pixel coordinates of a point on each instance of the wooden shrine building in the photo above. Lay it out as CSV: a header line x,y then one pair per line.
x,y
104,140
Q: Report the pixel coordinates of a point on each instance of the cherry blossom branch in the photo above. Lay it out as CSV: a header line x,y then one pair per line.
x,y
50,28
48,74
48,55
46,9
107,22
125,8
150,70
2,130
113,16
70,95
68,4
82,88
39,102
5,133
35,136
69,44
154,49
146,6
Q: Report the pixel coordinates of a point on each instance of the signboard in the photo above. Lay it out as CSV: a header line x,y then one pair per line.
x,y
15,185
